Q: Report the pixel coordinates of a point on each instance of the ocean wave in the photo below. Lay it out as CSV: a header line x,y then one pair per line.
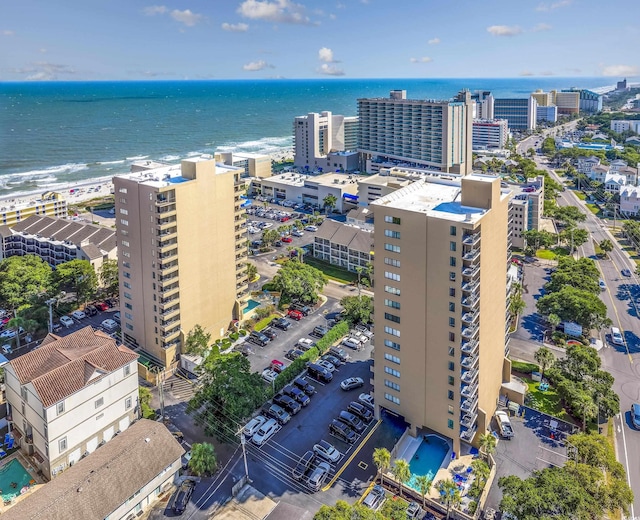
x,y
63,168
136,158
170,158
265,145
111,162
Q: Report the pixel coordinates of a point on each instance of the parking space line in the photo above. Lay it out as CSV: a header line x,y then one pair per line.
x,y
350,459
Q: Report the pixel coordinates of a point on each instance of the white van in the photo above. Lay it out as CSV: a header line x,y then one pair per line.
x,y
616,336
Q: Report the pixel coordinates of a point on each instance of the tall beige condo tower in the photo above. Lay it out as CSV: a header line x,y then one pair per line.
x,y
182,253
440,303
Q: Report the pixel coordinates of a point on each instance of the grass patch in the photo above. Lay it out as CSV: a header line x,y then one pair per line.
x,y
264,322
580,195
593,208
545,254
547,402
523,367
331,271
599,251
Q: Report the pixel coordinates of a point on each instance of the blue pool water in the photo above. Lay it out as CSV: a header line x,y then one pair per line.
x,y
251,304
428,458
13,473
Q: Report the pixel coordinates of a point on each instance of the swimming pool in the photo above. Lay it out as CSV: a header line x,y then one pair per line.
x,y
251,304
13,479
428,458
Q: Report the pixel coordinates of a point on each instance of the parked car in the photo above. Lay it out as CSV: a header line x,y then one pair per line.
x,y
339,353
269,333
66,321
327,451
414,510
109,324
102,306
56,327
304,385
351,383
374,498
288,403
364,330
303,465
269,375
332,359
254,425
319,331
295,393
351,343
78,315
7,349
366,399
603,286
281,323
311,228
297,233
318,476
258,338
319,373
293,354
287,240
352,421
116,317
326,365
90,310
183,496
277,365
296,315
276,412
341,431
304,309
305,344
626,272
361,411
278,243
265,432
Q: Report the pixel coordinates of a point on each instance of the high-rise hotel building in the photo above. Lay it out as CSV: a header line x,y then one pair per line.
x,y
181,252
417,132
441,303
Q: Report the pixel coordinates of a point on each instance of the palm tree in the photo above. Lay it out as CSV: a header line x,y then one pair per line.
x,y
607,246
382,460
584,403
545,358
401,472
449,494
481,470
252,271
203,459
488,443
329,202
424,485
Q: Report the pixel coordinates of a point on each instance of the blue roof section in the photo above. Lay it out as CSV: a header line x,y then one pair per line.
x,y
177,180
457,209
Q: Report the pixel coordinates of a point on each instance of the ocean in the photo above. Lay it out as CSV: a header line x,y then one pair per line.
x,y
56,133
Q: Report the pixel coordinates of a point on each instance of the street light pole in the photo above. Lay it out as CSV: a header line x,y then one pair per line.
x,y
244,456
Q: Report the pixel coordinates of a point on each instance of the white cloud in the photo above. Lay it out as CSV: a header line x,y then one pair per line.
x,y
186,17
325,54
44,71
424,59
620,70
555,5
235,27
6,32
279,11
526,73
547,73
434,41
257,65
504,30
542,27
330,70
155,9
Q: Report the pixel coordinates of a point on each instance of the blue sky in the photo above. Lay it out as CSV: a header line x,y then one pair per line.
x,y
250,39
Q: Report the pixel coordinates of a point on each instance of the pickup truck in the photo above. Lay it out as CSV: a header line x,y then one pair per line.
x,y
504,425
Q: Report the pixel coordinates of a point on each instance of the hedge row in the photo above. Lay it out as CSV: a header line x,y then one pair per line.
x,y
299,365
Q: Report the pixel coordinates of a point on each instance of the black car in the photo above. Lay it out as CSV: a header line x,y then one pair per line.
x,y
293,354
341,431
258,338
301,307
183,496
351,420
269,333
276,412
288,403
319,331
361,411
305,462
303,385
332,359
295,393
278,243
281,323
90,310
319,373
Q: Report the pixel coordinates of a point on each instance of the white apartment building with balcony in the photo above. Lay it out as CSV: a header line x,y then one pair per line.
x,y
69,396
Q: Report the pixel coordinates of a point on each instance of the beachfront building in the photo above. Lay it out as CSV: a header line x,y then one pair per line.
x,y
614,182
417,133
547,114
490,134
440,272
520,113
526,208
69,396
51,204
566,101
252,164
321,140
623,125
482,104
309,189
119,481
57,240
590,102
182,254
343,245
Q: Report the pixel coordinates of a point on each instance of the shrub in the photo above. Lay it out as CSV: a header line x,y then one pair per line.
x,y
264,311
226,342
242,333
524,368
234,336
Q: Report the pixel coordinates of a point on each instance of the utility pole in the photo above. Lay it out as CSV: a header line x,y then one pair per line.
x,y
244,456
50,303
161,391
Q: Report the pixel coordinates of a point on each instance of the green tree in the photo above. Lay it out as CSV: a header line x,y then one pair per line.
x,y
299,281
358,308
18,322
516,303
144,397
481,470
329,202
229,392
488,443
574,237
572,304
197,341
580,274
568,215
382,461
252,271
108,275
401,472
394,509
545,358
77,276
607,246
424,482
449,494
203,459
269,236
343,511
21,278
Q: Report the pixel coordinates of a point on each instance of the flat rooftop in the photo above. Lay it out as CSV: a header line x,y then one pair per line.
x,y
327,179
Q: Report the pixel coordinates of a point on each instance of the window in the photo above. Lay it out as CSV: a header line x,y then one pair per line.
x,y
391,220
392,371
392,303
392,358
99,402
127,295
123,200
452,322
391,247
452,351
391,317
452,276
124,211
450,424
391,234
124,222
452,365
452,261
450,395
128,315
392,331
452,291
127,274
127,403
392,398
450,410
24,394
392,276
126,254
392,290
453,231
122,190
126,264
60,408
127,370
392,261
452,246
391,384
391,344
128,306
129,326
452,380
452,307
62,444
127,285
125,243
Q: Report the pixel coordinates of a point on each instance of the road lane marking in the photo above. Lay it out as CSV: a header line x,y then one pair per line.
x,y
615,310
350,459
626,458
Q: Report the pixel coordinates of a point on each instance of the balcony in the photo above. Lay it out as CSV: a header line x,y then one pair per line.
x,y
470,347
469,391
470,362
470,332
471,302
469,405
470,272
165,211
162,200
168,267
471,240
171,334
468,434
470,376
165,222
470,286
171,232
470,317
469,420
164,302
472,255
165,245
171,311
168,254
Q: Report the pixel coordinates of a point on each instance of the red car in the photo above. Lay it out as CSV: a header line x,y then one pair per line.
x,y
296,315
101,306
287,239
277,366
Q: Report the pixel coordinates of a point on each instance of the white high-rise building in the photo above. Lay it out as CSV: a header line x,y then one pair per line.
x,y
490,133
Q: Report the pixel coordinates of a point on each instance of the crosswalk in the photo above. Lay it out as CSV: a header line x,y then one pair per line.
x,y
179,388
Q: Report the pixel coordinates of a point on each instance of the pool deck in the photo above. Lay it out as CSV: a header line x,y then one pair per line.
x,y
30,470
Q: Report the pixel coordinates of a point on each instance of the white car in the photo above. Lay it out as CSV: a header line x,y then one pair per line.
x,y
358,336
265,432
254,425
326,364
7,349
351,383
269,375
109,324
327,451
297,233
66,321
78,315
10,333
366,399
351,343
311,228
318,476
364,330
305,343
